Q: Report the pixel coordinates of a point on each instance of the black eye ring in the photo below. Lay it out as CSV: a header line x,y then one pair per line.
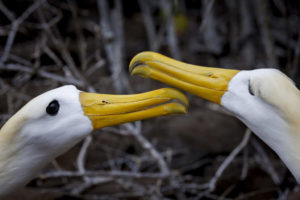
x,y
52,108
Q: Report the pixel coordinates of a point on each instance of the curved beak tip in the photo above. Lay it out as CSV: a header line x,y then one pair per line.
x,y
140,59
119,109
209,83
176,109
176,95
141,70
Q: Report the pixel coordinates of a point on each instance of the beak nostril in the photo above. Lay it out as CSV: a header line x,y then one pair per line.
x,y
211,75
105,102
107,110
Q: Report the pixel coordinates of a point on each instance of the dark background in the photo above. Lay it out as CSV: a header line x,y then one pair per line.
x,y
46,44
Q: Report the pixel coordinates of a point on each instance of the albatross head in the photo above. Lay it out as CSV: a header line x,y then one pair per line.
x,y
266,100
53,122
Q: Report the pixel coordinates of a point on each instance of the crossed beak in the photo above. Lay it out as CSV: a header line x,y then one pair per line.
x,y
206,82
108,110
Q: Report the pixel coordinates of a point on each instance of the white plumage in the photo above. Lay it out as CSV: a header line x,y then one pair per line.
x,y
32,138
53,122
266,100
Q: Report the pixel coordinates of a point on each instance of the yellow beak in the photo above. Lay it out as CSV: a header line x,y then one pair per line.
x,y
206,82
108,110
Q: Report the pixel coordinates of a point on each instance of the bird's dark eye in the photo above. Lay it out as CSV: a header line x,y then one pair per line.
x,y
250,89
52,108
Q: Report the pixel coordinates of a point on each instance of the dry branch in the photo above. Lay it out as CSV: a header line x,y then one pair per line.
x,y
267,38
228,160
63,43
265,162
15,25
112,32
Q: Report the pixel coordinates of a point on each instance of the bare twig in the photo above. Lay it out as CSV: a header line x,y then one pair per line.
x,y
112,32
247,29
15,25
79,54
136,131
264,161
112,173
208,29
229,159
92,181
82,154
171,35
146,7
267,39
245,164
7,12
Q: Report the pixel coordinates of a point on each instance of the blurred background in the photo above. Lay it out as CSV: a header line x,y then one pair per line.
x,y
207,154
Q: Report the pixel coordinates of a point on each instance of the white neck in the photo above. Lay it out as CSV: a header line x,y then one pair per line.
x,y
265,119
22,157
18,167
